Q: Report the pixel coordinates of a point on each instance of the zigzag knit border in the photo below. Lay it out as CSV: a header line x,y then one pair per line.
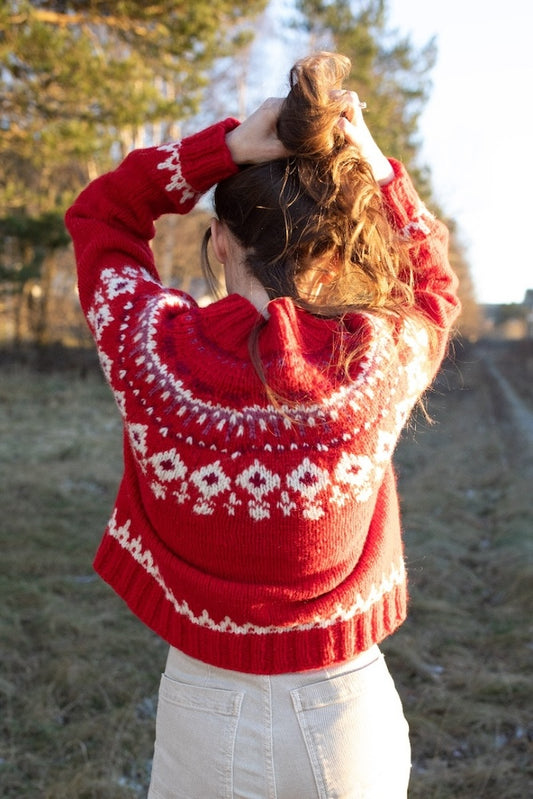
x,y
145,559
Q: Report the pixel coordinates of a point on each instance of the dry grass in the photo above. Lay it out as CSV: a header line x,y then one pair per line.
x,y
79,674
78,679
463,659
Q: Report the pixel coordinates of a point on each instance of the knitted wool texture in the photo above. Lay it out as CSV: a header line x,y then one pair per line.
x,y
256,538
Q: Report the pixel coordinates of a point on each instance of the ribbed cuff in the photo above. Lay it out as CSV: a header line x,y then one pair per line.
x,y
206,158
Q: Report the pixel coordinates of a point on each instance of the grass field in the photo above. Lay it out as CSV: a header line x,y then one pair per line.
x,y
79,674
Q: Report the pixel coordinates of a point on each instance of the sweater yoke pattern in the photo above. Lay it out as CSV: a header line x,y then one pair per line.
x,y
352,431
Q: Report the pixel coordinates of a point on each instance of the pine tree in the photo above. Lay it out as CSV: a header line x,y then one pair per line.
x,y
83,82
388,73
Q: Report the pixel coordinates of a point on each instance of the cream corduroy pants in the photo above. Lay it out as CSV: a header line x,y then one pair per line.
x,y
336,733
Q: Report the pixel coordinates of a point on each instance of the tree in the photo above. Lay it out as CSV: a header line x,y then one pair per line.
x,y
27,268
470,324
387,72
82,76
83,82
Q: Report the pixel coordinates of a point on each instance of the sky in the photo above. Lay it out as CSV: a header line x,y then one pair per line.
x,y
476,129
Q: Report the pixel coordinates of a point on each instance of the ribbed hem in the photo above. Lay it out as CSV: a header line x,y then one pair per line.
x,y
272,653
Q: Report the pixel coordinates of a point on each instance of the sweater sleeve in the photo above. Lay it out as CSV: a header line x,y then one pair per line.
x,y
434,282
112,221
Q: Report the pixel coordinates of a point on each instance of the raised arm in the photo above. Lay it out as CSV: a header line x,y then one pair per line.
x,y
112,221
435,284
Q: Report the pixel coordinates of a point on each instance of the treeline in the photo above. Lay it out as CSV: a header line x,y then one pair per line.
x,y
85,81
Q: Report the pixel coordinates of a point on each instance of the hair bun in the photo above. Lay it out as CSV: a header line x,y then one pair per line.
x,y
309,115
307,126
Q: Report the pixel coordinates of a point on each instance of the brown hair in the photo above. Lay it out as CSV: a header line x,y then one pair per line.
x,y
313,226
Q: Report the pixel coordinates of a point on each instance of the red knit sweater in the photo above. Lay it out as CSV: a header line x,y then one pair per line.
x,y
256,538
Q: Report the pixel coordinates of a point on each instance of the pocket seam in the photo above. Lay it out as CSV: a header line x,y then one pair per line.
x,y
340,688
200,697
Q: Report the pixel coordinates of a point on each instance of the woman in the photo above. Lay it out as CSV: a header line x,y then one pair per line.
x,y
256,527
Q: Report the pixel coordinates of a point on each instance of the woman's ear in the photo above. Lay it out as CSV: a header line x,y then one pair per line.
x,y
219,240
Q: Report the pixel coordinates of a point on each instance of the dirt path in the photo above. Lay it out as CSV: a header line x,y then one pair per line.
x,y
511,409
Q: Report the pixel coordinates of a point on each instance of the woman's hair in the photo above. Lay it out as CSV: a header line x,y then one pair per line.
x,y
313,226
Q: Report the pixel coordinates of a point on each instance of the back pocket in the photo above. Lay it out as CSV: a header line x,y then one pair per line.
x,y
356,734
195,739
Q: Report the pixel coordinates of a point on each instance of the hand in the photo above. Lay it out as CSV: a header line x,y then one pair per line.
x,y
256,140
356,132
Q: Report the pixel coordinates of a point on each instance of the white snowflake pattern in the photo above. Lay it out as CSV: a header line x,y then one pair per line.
x,y
120,399
402,411
417,379
120,532
107,365
168,465
259,510
159,491
356,472
258,481
116,284
286,505
415,338
210,480
232,504
385,446
99,317
173,164
308,480
182,495
137,435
